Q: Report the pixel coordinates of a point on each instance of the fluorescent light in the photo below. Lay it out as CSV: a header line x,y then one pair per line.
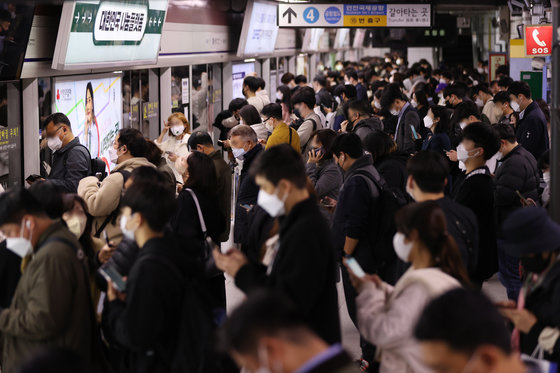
x,y
249,60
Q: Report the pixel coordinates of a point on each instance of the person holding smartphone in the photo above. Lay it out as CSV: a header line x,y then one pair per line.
x,y
320,167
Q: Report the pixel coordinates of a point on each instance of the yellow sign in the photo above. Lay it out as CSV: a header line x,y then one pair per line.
x,y
365,21
517,48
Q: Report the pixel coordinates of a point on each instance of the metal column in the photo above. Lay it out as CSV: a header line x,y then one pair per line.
x,y
555,115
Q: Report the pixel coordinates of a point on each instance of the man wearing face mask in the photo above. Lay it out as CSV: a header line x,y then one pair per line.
x,y
517,172
303,264
485,101
360,121
531,130
281,133
251,85
51,306
304,102
267,334
342,94
245,147
128,153
71,160
531,235
408,122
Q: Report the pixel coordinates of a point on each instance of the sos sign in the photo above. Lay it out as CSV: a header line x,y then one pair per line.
x,y
538,40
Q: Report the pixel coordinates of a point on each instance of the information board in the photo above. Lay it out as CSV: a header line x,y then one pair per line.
x,y
354,15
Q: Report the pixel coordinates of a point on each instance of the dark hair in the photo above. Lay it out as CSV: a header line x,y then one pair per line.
x,y
348,143
134,141
464,110
202,173
464,320
481,87
326,137
5,16
17,202
348,89
154,200
390,94
89,88
286,96
456,89
261,82
444,124
300,79
250,115
153,152
421,98
505,82
501,97
55,360
49,196
544,108
379,144
287,78
237,104
264,313
252,82
360,107
519,88
506,132
429,170
483,136
199,138
281,162
272,111
321,80
147,174
305,95
428,219
351,74
57,119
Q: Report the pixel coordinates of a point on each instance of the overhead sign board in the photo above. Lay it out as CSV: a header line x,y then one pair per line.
x,y
538,40
354,15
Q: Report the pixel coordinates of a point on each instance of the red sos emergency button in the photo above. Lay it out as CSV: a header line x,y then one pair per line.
x,y
538,40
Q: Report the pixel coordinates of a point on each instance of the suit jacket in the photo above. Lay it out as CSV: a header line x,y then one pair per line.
x,y
532,131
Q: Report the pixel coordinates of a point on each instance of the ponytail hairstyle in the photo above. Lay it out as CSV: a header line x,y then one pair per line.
x,y
428,219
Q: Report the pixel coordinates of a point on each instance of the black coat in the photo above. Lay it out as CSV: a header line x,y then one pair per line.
x,y
367,126
247,194
463,227
532,131
70,165
477,193
147,323
357,213
404,136
544,302
304,269
122,260
10,272
517,171
392,168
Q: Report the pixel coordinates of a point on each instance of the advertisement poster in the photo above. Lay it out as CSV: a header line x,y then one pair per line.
x,y
239,72
263,30
94,107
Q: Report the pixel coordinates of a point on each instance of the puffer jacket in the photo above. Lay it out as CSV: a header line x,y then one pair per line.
x,y
387,316
326,177
104,198
367,126
517,171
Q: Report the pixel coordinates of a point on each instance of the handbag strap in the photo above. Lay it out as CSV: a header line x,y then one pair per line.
x,y
200,217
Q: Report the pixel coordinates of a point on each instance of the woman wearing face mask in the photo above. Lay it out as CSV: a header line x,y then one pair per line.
x,y
544,166
386,314
176,132
436,123
419,101
320,167
284,98
251,117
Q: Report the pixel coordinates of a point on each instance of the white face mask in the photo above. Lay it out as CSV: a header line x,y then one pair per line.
x,y
269,127
241,121
414,104
279,95
128,233
76,224
546,177
463,154
177,130
442,81
238,152
273,205
395,112
515,106
20,245
338,100
479,102
402,249
428,122
463,124
377,105
54,143
113,155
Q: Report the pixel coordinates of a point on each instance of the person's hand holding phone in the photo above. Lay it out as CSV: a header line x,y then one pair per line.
x,y
314,156
113,294
359,282
452,155
344,126
328,203
230,262
523,319
172,156
106,252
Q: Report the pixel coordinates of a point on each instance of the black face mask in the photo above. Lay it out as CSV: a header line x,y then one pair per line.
x,y
297,113
536,264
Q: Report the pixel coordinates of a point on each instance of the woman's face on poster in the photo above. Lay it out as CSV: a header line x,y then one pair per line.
x,y
89,106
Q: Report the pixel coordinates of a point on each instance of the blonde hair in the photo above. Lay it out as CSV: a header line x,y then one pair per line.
x,y
182,118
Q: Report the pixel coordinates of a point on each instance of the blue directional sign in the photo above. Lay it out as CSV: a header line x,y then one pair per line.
x,y
333,15
311,15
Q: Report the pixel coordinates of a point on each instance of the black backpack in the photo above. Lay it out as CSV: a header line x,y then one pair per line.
x,y
390,200
297,124
97,165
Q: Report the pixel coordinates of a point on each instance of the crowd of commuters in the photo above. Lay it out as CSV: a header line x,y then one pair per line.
x,y
411,185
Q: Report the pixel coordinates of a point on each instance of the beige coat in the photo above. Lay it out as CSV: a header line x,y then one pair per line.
x,y
50,305
102,199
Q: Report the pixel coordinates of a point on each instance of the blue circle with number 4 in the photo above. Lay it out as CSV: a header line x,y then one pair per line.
x,y
311,15
332,15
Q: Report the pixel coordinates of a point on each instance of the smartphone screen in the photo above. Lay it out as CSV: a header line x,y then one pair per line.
x,y
355,267
414,132
111,274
